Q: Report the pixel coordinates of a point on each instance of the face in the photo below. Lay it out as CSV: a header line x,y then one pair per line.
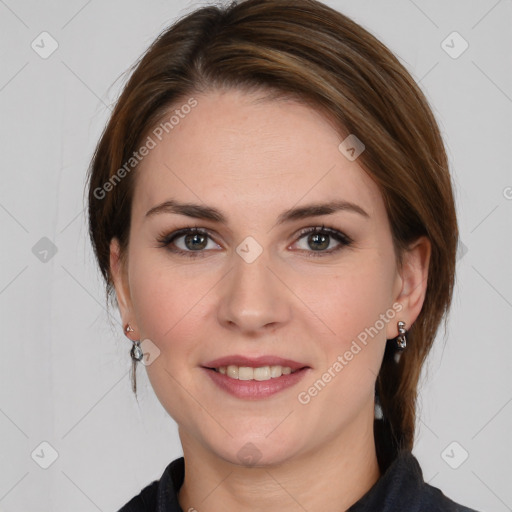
x,y
259,282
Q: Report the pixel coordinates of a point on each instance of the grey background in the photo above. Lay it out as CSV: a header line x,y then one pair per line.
x,y
64,368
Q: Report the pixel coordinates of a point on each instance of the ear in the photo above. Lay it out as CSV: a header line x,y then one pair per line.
x,y
411,284
119,274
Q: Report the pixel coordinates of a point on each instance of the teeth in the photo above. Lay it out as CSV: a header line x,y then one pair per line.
x,y
249,373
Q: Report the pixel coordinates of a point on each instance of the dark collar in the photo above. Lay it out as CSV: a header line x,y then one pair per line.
x,y
400,489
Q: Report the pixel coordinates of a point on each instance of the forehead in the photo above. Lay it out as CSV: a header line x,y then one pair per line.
x,y
248,156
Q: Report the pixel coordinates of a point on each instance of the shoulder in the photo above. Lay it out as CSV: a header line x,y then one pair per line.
x,y
402,489
160,495
430,497
145,501
433,498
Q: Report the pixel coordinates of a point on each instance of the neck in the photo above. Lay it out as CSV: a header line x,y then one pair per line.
x,y
329,477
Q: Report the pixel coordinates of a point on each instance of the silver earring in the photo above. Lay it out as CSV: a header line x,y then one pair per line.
x,y
136,350
401,341
379,414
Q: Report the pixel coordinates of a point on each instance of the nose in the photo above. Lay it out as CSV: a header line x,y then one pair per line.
x,y
253,298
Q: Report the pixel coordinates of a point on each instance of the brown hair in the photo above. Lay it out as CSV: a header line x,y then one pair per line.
x,y
305,50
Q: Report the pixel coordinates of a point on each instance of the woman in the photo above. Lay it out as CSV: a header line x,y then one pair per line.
x,y
264,204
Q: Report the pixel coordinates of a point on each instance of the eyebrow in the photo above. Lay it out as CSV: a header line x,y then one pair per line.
x,y
198,211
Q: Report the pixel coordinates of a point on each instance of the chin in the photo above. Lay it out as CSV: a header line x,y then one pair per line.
x,y
257,451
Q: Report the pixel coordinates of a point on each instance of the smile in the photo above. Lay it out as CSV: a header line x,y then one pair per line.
x,y
259,373
256,383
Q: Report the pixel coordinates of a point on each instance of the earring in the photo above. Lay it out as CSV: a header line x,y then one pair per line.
x,y
401,341
379,415
136,350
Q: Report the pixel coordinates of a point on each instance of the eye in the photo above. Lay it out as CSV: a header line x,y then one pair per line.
x,y
193,242
321,238
187,241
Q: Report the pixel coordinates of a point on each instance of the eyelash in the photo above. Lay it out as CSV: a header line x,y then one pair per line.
x,y
166,239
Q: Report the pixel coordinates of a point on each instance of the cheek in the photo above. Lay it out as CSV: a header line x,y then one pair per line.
x,y
165,296
168,310
348,329
171,309
156,303
347,300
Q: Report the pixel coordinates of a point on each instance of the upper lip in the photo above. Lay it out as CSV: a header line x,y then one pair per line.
x,y
254,362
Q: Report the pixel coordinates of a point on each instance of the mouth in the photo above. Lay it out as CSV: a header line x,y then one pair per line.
x,y
260,369
255,382
254,373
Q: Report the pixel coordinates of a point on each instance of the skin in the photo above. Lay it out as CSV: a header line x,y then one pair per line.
x,y
253,159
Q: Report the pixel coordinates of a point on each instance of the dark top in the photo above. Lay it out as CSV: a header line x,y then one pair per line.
x,y
400,489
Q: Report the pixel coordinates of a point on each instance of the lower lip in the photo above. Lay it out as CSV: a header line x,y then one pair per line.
x,y
255,389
